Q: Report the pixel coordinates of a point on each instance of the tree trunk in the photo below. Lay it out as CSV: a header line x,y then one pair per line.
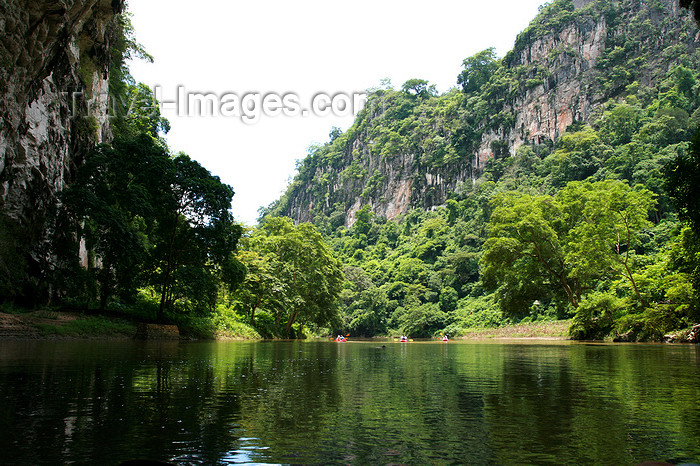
x,y
290,322
560,276
163,297
105,286
168,271
625,262
252,311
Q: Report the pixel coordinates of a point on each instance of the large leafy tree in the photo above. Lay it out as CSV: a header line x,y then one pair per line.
x,y
309,276
195,234
524,256
605,221
152,219
113,200
261,289
477,70
544,247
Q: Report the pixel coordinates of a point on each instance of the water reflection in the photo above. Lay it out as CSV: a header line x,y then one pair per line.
x,y
321,403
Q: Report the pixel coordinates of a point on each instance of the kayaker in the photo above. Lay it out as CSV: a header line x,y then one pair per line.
x,y
403,338
445,338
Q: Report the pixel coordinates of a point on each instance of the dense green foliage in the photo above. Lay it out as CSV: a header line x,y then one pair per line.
x,y
579,227
600,225
149,234
646,67
292,277
153,220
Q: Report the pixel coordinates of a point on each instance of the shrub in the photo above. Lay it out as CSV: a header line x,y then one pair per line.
x,y
594,316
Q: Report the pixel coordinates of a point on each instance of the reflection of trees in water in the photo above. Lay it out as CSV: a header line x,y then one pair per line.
x,y
165,401
324,403
581,404
406,403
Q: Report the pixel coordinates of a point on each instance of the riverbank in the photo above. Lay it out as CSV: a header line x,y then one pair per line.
x,y
51,324
48,324
551,330
22,324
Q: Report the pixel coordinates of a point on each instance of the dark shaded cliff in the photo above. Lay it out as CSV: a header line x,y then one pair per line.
x,y
54,93
409,148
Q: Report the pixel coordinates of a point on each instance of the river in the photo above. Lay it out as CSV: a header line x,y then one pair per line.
x,y
322,402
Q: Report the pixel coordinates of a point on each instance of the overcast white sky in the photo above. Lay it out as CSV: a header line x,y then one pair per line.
x,y
304,47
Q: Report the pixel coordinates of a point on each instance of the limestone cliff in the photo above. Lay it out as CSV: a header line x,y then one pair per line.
x,y
569,90
416,150
55,57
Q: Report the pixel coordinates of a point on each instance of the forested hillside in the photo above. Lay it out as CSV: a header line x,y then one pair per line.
x,y
98,215
545,185
558,182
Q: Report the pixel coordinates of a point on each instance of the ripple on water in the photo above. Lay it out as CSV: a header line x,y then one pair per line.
x,y
247,451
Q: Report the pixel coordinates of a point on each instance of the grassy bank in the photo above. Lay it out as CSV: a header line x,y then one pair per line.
x,y
23,323
558,329
20,323
46,323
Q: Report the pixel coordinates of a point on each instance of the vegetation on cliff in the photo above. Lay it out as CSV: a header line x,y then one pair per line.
x,y
584,226
147,234
558,182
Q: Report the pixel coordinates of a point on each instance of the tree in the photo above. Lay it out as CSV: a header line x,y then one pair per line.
x,y
606,219
419,88
477,70
683,184
524,255
540,247
369,316
142,113
578,156
619,124
261,287
112,201
310,275
152,219
194,235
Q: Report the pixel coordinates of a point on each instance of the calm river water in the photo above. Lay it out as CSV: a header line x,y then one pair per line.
x,y
355,402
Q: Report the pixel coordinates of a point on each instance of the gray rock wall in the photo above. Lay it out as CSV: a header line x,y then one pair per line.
x,y
55,58
566,89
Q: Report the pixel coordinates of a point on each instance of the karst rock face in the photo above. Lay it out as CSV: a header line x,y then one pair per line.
x,y
53,108
570,92
555,73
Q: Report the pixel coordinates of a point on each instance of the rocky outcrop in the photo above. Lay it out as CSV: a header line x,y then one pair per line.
x,y
545,110
55,58
552,78
569,91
